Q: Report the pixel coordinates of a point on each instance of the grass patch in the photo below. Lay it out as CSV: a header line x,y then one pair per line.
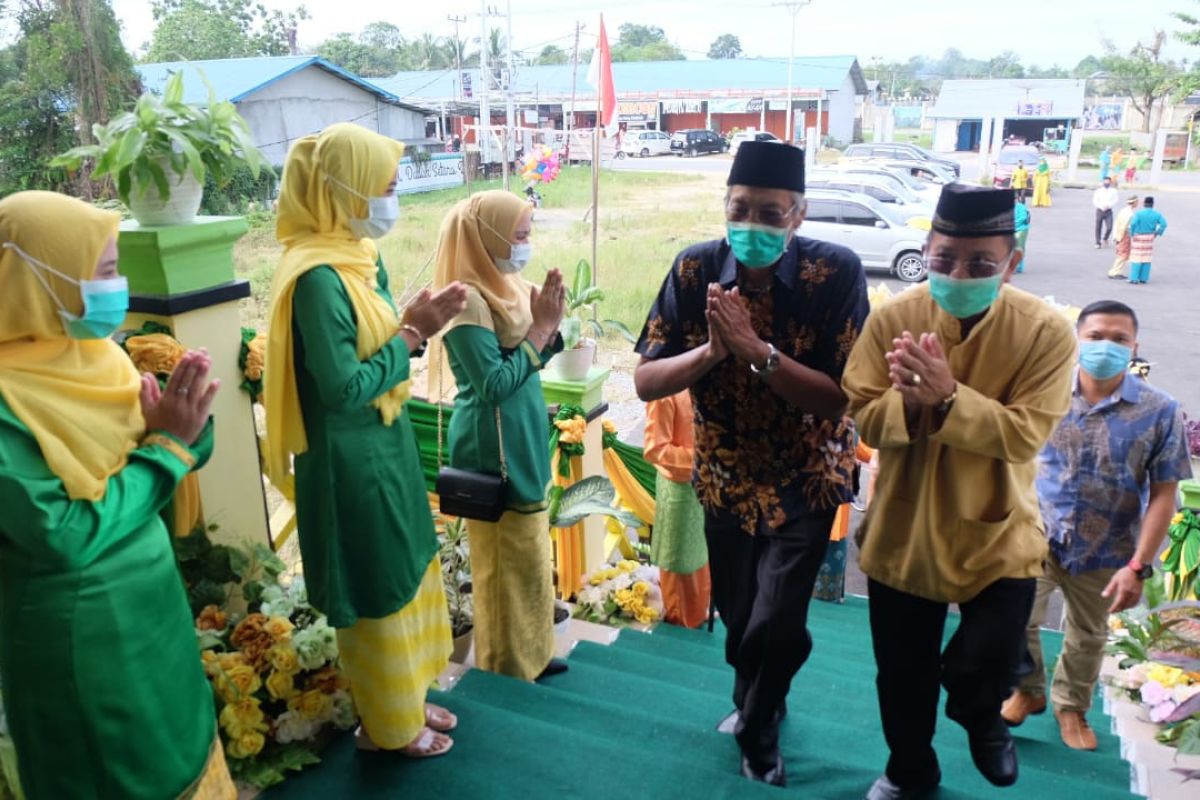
x,y
914,136
645,219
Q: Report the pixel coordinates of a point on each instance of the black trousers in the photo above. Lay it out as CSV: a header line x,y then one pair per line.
x,y
979,667
762,586
1104,220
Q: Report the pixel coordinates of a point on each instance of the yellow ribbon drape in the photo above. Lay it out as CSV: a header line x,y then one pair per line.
x,y
568,542
630,493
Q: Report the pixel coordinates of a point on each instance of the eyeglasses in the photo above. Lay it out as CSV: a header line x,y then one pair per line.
x,y
976,267
771,216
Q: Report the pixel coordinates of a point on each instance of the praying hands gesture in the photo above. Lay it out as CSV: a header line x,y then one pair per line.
x,y
919,370
429,312
546,305
730,328
182,408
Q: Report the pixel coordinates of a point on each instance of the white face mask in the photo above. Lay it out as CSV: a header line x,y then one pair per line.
x,y
382,213
517,260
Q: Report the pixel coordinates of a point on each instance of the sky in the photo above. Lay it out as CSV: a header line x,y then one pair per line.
x,y
1041,32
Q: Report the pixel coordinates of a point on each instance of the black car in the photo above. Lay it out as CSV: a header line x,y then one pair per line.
x,y
696,141
900,151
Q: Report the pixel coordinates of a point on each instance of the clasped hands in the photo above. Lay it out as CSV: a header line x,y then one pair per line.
x,y
730,328
919,370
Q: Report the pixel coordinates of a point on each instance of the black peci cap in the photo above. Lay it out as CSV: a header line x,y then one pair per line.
x,y
768,165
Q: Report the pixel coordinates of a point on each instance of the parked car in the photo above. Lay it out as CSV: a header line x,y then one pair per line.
x,y
746,136
694,141
885,189
644,144
926,193
883,239
900,151
924,171
1007,160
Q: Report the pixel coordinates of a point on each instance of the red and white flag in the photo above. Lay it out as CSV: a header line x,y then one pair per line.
x,y
601,79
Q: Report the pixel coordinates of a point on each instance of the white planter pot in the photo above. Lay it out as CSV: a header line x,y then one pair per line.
x,y
179,209
573,365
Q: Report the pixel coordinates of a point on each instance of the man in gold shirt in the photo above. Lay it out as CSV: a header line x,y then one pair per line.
x,y
958,384
1020,181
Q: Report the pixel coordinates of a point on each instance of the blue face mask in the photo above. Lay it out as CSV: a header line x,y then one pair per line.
x,y
1103,359
964,297
105,302
756,246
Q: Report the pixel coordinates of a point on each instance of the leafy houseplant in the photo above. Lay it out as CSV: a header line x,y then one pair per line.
x,y
580,320
169,145
591,495
454,552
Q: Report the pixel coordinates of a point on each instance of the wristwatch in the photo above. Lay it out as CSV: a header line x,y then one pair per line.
x,y
1142,571
772,363
943,407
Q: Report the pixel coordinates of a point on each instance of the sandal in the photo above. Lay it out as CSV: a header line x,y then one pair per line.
x,y
440,719
429,743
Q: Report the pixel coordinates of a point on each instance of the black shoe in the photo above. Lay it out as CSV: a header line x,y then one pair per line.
x,y
555,667
774,776
994,754
884,789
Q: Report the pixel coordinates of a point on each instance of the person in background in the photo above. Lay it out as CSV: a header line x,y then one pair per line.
x,y
1021,219
1105,163
1020,181
337,376
1104,199
958,383
1107,481
1118,164
1122,239
1041,184
104,692
677,545
495,349
758,326
1132,164
1147,225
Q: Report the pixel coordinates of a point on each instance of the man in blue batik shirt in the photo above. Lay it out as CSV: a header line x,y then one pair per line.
x,y
1107,483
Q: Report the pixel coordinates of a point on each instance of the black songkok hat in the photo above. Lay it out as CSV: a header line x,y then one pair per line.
x,y
974,212
768,165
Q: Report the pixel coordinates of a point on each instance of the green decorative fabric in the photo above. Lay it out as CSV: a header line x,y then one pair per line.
x,y
362,515
103,688
489,377
677,543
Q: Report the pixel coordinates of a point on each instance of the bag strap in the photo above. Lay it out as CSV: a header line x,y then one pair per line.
x,y
499,429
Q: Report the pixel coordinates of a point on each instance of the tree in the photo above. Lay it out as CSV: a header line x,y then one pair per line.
x,y
1143,75
552,54
1192,34
644,43
725,46
203,29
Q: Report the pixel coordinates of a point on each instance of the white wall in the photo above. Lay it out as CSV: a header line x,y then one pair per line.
x,y
945,135
843,105
311,99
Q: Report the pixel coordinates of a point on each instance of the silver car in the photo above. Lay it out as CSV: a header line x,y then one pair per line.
x,y
926,193
880,236
884,188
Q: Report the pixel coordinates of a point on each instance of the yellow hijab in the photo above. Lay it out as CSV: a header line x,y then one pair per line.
x,y
475,231
79,398
314,228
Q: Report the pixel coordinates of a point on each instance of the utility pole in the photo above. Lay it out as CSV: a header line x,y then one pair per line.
x,y
568,121
793,7
485,109
457,20
510,128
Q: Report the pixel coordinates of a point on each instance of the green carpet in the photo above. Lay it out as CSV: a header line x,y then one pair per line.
x,y
636,719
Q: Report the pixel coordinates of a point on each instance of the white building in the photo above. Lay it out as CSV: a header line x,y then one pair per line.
x,y
1020,107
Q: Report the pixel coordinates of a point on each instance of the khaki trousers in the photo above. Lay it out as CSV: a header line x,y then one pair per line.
x,y
1079,663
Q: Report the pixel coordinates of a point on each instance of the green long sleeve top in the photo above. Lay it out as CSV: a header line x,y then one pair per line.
x,y
104,692
362,512
489,376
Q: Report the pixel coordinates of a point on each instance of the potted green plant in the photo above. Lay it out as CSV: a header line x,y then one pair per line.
x,y
579,349
455,555
159,153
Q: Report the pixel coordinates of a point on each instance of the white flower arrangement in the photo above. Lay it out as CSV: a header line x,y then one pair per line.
x,y
620,593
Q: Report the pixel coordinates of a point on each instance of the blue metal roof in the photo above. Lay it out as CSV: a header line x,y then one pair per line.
x,y
649,79
235,79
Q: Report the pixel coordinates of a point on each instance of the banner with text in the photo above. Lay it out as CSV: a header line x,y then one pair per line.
x,y
439,171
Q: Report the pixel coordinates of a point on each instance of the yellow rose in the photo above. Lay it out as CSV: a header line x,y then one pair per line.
x,y
250,743
154,352
254,357
313,704
1167,676
279,628
228,661
641,588
211,619
283,658
234,684
281,685
609,427
209,659
327,680
1178,518
646,615
242,716
627,566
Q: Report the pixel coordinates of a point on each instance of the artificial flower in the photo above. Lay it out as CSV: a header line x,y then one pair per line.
x,y
571,431
315,645
156,353
279,628
292,727
1161,711
328,680
344,716
608,426
242,716
283,658
1166,676
313,704
1154,693
256,350
212,619
249,743
251,637
281,685
241,681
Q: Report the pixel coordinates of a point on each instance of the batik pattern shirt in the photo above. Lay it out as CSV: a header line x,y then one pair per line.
x,y
1094,474
761,462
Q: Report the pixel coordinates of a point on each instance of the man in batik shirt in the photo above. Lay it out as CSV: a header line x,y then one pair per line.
x,y
759,326
1107,483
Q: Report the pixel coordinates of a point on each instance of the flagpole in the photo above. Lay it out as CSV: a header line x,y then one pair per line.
x,y
596,169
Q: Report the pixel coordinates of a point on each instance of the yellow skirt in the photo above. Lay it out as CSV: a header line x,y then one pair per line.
x,y
512,586
214,783
392,662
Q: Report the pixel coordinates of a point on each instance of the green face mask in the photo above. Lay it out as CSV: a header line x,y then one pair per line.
x,y
964,297
756,246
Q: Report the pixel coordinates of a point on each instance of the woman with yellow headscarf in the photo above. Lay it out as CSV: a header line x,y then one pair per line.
x,y
103,687
335,383
495,348
1041,184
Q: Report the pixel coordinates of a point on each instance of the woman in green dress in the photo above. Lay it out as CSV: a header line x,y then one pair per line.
x,y
496,348
337,376
103,687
